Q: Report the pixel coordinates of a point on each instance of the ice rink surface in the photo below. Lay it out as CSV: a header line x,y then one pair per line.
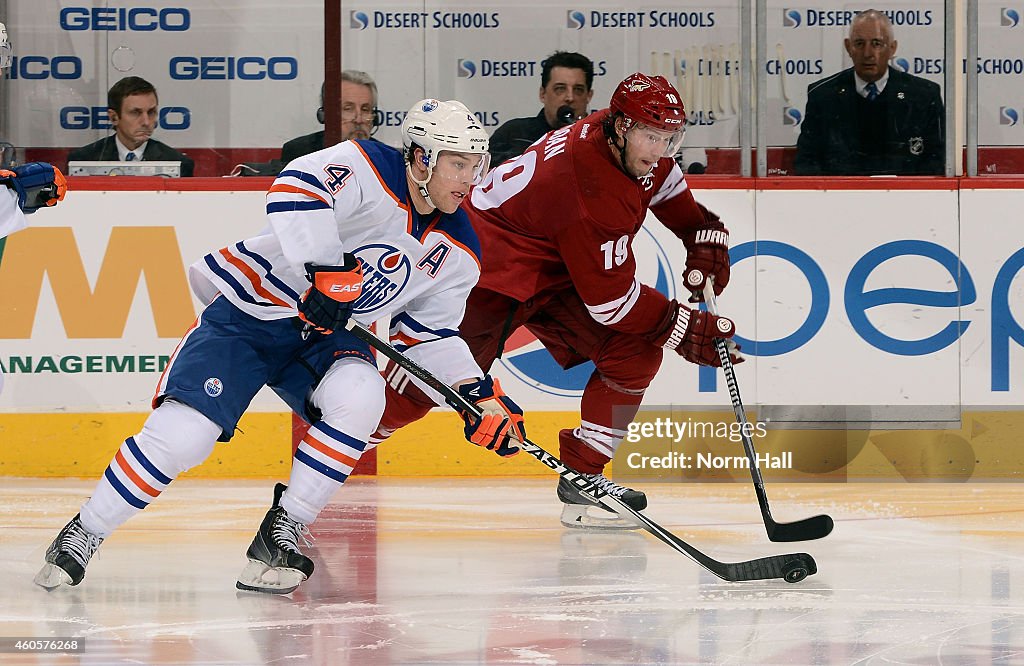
x,y
479,571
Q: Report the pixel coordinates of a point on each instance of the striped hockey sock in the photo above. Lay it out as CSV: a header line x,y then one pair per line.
x,y
130,482
325,458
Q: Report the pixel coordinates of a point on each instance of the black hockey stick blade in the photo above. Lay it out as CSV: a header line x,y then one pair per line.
x,y
808,529
791,568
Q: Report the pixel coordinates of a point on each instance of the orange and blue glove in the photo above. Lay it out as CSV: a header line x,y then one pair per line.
x,y
37,184
332,294
500,426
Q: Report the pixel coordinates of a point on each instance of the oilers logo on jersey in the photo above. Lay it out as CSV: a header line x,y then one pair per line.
x,y
386,271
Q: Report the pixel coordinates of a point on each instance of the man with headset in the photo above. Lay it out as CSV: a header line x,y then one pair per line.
x,y
358,115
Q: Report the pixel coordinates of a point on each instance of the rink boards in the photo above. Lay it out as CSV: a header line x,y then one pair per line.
x,y
882,321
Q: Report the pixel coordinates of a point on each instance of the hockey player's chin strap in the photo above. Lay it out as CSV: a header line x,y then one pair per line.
x,y
622,153
422,184
622,148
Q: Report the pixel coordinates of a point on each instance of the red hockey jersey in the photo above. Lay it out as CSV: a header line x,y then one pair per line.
x,y
564,214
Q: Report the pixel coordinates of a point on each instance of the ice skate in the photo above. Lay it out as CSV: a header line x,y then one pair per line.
x,y
580,512
275,564
67,556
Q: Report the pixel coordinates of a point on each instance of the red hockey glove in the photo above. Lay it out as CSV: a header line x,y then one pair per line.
x,y
38,185
692,335
328,302
500,425
707,254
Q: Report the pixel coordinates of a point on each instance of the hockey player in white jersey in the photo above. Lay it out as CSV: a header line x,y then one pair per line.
x,y
355,230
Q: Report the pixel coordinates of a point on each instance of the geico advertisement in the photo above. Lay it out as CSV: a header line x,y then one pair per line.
x,y
840,298
214,63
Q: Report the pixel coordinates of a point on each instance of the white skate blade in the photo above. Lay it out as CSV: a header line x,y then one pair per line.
x,y
585,516
51,577
258,577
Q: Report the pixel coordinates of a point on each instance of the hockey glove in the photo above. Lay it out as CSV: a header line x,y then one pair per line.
x,y
692,335
328,302
500,425
707,254
38,184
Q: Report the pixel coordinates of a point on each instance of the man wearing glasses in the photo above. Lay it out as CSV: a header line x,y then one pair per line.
x,y
358,111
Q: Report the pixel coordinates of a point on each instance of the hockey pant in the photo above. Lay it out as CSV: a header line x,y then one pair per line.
x,y
625,366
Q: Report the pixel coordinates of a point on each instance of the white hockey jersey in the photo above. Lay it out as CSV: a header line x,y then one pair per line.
x,y
353,197
11,217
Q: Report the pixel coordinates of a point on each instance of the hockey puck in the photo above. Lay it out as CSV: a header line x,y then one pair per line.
x,y
794,572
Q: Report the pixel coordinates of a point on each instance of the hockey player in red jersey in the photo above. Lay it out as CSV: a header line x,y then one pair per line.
x,y
556,227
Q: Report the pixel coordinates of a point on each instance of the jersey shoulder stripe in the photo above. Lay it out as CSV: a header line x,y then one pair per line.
x,y
306,178
389,167
289,206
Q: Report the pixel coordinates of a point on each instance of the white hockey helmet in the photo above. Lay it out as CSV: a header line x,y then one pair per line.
x,y
6,50
435,126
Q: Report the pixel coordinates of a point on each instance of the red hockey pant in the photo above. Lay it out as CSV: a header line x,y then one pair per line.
x,y
625,365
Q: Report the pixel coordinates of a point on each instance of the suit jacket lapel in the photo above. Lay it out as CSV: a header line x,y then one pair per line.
x,y
847,101
109,152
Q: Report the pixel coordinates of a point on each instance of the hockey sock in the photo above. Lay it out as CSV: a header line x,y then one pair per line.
x,y
605,412
174,438
325,458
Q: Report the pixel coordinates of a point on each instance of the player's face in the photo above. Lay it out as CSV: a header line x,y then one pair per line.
x,y
870,46
356,111
567,85
453,175
136,121
645,146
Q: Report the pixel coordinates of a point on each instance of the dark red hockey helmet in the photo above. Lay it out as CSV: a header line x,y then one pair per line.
x,y
650,100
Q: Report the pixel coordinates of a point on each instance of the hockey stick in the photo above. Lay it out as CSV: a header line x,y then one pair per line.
x,y
792,567
807,529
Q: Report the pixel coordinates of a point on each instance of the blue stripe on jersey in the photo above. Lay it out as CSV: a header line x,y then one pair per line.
x,y
390,164
304,177
312,462
458,226
122,491
404,318
232,282
340,436
267,267
289,206
150,467
420,223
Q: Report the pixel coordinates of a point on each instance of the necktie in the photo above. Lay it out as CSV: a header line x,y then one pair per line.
x,y
872,91
130,157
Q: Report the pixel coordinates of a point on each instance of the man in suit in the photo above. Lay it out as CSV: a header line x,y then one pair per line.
x,y
358,111
566,88
872,119
132,108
